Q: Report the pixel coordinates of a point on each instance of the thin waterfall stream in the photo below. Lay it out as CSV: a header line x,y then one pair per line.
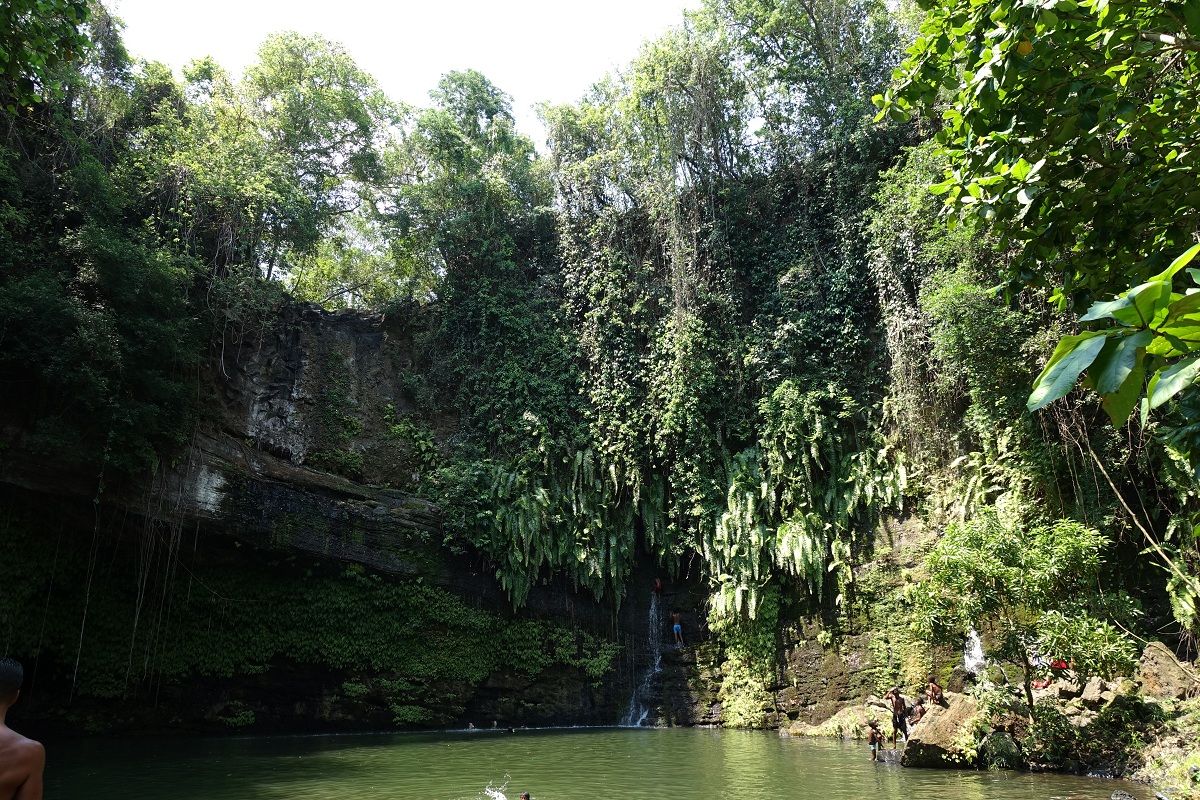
x,y
639,707
974,659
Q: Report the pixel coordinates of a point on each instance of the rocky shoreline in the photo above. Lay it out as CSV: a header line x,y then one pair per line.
x,y
1145,728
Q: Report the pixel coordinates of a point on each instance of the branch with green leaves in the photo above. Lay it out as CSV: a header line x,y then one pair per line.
x,y
1148,330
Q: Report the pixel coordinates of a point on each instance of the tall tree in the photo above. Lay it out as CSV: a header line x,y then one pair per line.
x,y
813,64
325,119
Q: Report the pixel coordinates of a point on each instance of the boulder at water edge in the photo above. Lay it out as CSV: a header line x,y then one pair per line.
x,y
931,741
1164,676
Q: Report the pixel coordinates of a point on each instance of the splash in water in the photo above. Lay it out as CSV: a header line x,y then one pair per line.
x,y
495,793
973,657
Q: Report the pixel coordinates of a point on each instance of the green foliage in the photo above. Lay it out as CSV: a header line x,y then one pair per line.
x,y
36,38
237,715
1099,196
815,65
401,639
1028,588
571,514
750,645
1099,201
102,331
1146,332
1120,730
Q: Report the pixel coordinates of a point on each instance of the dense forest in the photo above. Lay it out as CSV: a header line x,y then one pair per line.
x,y
801,268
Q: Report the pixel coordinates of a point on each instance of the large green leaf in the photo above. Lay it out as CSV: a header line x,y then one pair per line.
x,y
1120,404
1168,382
1073,355
1179,263
1116,360
1107,309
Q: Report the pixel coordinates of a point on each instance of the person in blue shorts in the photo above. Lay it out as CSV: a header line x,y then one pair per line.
x,y
874,739
677,627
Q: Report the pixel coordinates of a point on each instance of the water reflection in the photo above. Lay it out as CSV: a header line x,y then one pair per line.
x,y
631,764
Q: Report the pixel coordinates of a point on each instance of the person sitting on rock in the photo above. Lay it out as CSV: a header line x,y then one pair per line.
x,y
934,692
918,711
874,739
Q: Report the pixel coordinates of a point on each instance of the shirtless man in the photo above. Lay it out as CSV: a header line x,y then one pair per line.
x,y
21,759
934,692
899,707
677,629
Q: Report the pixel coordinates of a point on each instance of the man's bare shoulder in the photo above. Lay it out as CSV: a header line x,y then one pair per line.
x,y
14,744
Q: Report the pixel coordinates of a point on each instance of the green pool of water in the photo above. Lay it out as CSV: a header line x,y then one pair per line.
x,y
583,764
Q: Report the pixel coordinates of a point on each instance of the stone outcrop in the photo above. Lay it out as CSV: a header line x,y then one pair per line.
x,y
931,741
1165,677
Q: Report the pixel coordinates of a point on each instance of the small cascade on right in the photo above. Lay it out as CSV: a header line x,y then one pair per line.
x,y
639,708
974,659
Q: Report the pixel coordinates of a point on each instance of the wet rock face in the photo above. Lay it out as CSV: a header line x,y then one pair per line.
x,y
298,454
322,388
818,681
1164,676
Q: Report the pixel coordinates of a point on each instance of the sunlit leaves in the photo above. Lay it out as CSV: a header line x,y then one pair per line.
x,y
1151,330
1099,96
1027,587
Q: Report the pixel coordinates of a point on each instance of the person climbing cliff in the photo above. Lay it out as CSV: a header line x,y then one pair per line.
x,y
677,628
22,760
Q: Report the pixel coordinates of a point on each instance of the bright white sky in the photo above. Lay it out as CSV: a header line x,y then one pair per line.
x,y
535,50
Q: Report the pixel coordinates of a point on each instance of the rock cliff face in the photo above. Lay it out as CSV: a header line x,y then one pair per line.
x,y
301,477
299,494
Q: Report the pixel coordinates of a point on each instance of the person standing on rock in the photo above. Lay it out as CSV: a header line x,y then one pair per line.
x,y
677,628
896,698
21,760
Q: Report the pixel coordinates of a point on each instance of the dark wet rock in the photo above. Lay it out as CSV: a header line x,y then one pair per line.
x,y
890,756
958,680
1120,794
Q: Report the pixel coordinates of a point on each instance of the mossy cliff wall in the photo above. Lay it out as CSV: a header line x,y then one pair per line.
x,y
280,573
284,572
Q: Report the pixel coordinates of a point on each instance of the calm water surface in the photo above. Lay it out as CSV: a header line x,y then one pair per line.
x,y
585,764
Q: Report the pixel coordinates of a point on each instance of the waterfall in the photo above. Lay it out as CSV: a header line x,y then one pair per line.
x,y
973,657
638,709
